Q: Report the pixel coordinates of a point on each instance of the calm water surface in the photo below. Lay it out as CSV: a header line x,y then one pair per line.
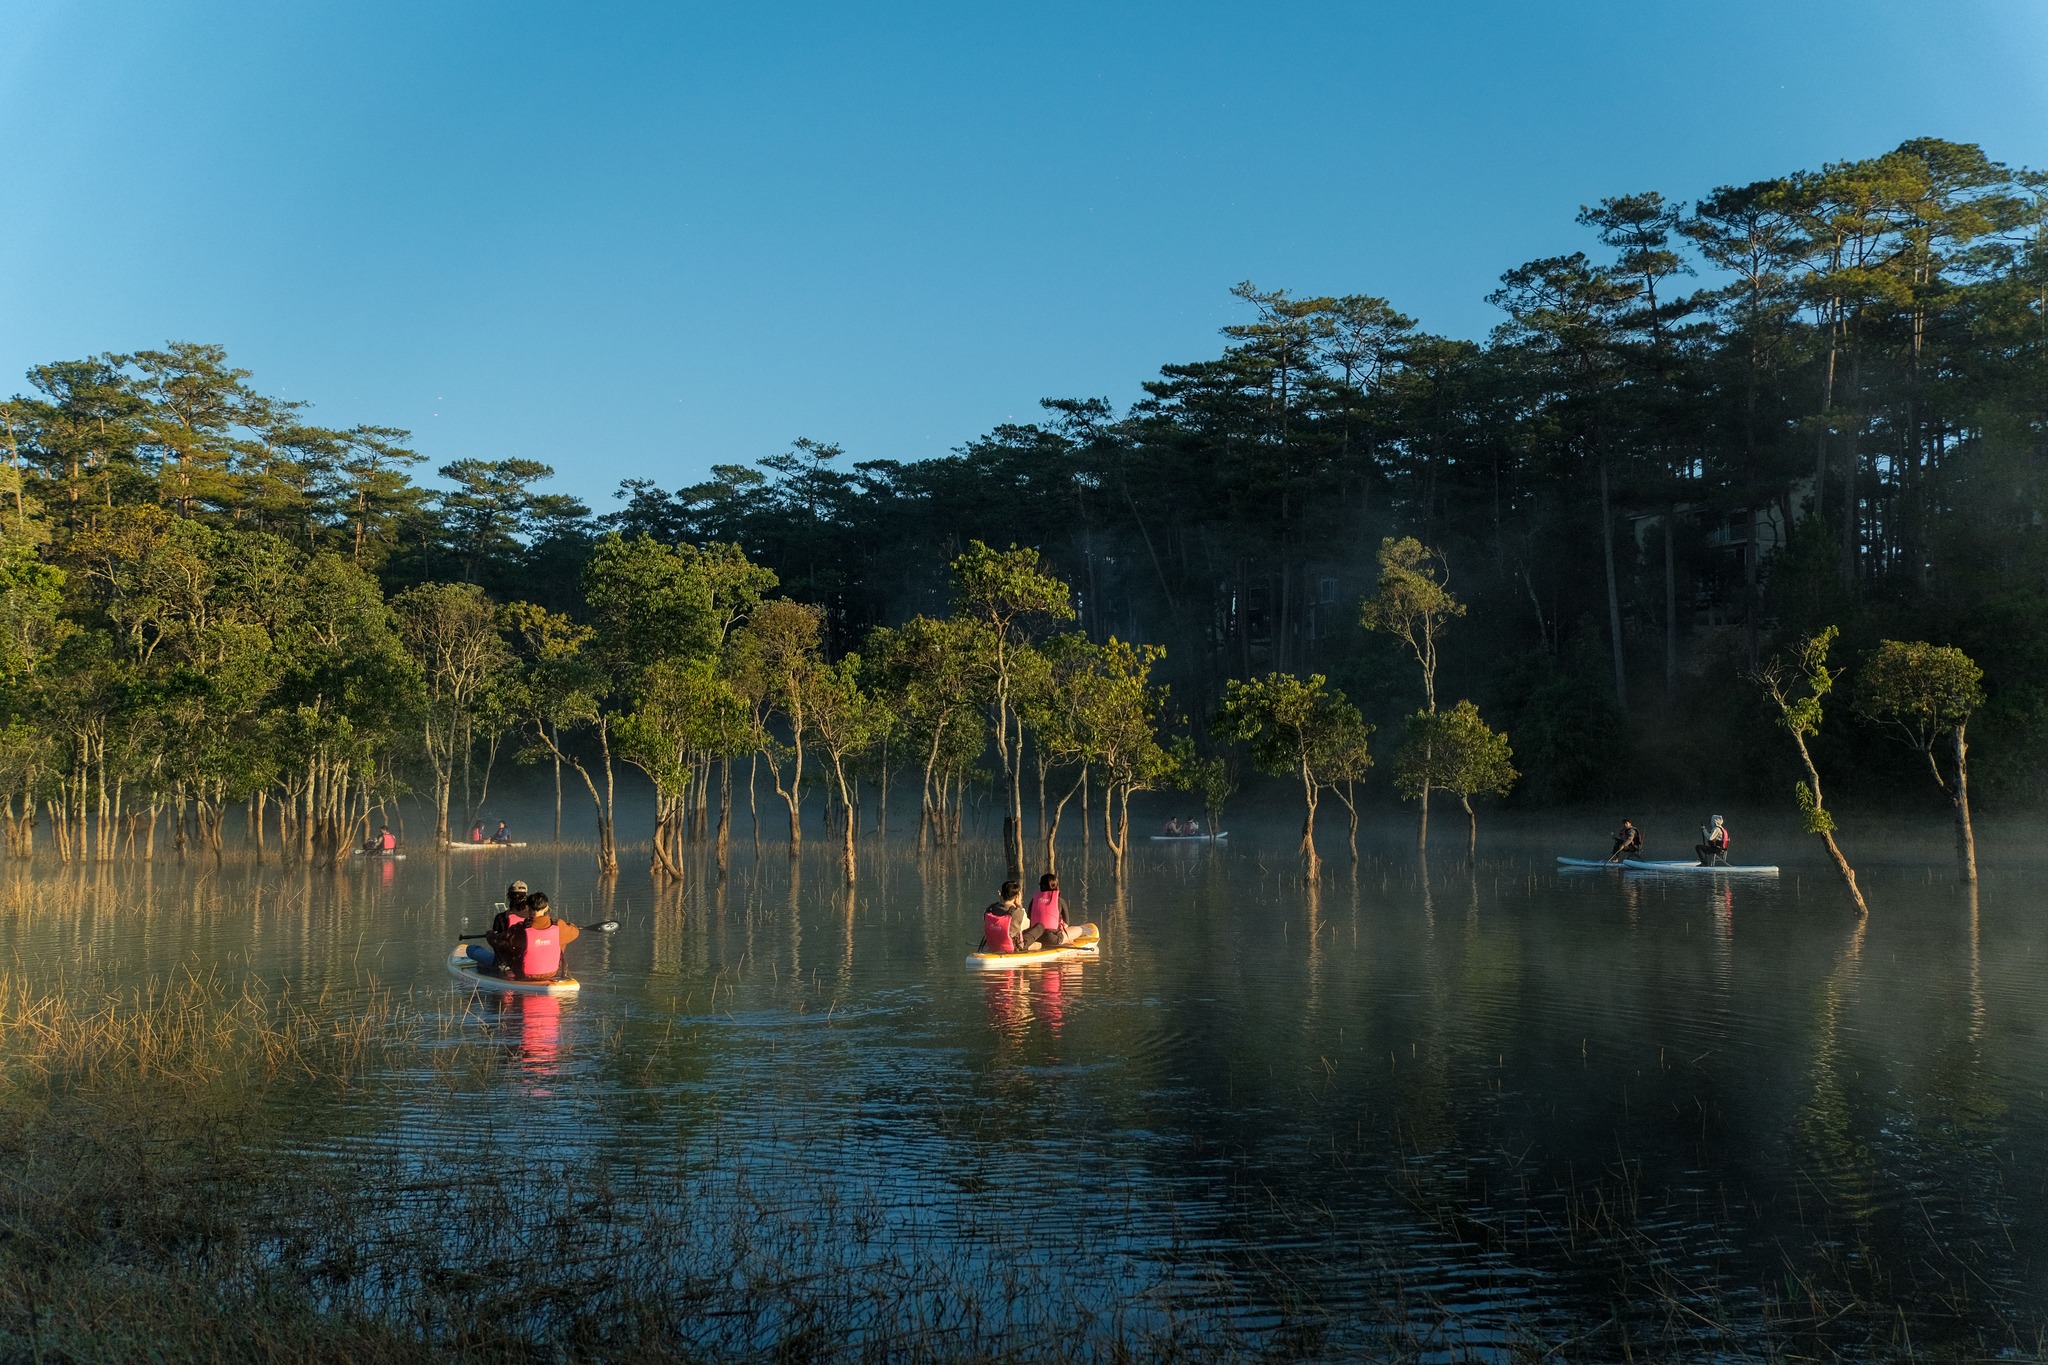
x,y
1491,1100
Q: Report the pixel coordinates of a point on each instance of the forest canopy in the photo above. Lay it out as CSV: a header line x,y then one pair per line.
x,y
1815,400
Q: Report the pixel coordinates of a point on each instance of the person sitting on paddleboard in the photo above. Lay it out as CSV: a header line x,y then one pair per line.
x,y
1049,927
386,840
1628,841
1191,826
499,935
540,941
1002,924
476,832
1172,828
1714,852
501,837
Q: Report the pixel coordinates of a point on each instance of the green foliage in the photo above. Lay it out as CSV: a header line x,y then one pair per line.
x,y
1206,777
1413,603
1814,817
1923,691
1454,751
1298,727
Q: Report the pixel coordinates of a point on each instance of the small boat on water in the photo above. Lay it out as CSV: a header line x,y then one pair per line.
x,y
1088,945
463,968
1642,865
378,853
463,845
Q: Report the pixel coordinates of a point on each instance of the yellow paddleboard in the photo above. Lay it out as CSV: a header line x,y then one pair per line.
x,y
1088,945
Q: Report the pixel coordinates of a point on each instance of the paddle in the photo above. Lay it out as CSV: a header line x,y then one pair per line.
x,y
603,926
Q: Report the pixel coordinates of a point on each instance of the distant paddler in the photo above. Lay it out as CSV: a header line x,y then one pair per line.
x,y
1628,841
1713,846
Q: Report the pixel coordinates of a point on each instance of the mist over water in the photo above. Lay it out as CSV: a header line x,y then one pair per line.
x,y
1491,1099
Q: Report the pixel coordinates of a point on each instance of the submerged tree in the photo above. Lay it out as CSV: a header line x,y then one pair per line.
x,y
1924,695
451,631
1796,685
1008,595
1298,727
1454,751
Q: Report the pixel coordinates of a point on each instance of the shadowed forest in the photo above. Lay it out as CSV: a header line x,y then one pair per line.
x,y
1725,427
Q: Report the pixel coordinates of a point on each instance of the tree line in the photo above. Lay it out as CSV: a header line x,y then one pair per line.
x,y
1813,401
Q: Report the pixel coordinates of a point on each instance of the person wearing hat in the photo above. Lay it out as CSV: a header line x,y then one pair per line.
x,y
1714,852
499,936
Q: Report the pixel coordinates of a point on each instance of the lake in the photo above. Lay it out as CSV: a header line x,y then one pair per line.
x,y
1481,1108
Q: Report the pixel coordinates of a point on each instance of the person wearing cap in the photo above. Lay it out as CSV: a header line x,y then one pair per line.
x,y
1628,841
1714,851
538,943
499,936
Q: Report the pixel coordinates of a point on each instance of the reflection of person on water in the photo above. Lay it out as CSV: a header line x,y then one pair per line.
x,y
1049,927
499,935
1003,923
1628,841
1714,851
539,942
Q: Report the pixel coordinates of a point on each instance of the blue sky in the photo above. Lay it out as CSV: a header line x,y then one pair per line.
x,y
635,240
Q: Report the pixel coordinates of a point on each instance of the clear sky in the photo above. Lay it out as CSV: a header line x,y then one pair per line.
x,y
638,239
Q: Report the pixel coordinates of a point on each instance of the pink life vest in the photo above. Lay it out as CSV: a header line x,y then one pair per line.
x,y
1045,910
995,932
543,955
390,841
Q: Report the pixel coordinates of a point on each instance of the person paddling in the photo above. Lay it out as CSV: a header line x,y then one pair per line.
x,y
1713,852
1628,842
1003,923
501,837
499,935
541,941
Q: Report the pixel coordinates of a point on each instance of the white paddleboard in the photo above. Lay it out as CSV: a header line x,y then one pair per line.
x,y
463,968
1637,865
464,844
1189,838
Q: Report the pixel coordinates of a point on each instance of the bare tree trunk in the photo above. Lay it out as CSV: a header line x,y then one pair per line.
x,y
1820,823
1959,796
1613,592
1670,599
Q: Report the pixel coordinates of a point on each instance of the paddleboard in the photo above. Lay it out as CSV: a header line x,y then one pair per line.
x,y
465,844
1589,862
1087,946
463,968
1635,865
1189,838
380,853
